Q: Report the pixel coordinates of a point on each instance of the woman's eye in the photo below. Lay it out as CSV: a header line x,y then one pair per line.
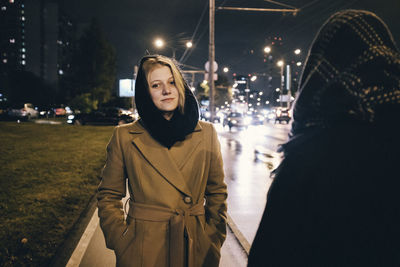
x,y
172,82
154,85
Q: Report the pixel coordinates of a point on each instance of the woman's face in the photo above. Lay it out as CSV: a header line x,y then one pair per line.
x,y
163,91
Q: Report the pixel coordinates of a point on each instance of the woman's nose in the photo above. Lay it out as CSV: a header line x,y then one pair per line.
x,y
166,89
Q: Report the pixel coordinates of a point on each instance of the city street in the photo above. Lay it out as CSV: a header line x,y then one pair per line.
x,y
247,176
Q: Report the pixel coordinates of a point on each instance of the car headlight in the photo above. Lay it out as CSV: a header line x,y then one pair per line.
x,y
234,121
71,117
247,120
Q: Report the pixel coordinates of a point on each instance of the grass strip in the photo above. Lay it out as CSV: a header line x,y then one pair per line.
x,y
48,173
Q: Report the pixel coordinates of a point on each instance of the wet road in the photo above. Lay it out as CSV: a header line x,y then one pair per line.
x,y
247,174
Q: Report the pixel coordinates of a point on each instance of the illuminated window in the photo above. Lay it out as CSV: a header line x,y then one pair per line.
x,y
23,50
23,18
11,1
5,61
3,8
22,12
23,56
61,72
23,62
12,41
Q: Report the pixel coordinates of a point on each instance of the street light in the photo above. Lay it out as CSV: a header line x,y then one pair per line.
x,y
267,49
297,51
226,69
159,43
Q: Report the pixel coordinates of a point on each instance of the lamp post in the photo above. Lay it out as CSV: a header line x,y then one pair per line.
x,y
160,43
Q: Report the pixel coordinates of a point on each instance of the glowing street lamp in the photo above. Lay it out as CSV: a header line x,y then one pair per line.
x,y
226,69
297,51
253,78
159,43
267,49
189,44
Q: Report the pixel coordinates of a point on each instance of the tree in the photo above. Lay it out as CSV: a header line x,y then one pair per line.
x,y
94,68
223,91
25,87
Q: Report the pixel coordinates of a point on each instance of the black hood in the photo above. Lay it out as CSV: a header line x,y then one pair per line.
x,y
164,131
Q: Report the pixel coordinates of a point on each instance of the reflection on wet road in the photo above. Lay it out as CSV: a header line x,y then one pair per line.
x,y
246,175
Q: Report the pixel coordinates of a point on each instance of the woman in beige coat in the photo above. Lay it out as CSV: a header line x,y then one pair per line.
x,y
173,167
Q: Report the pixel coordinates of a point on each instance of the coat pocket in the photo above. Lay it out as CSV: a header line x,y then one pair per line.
x,y
126,237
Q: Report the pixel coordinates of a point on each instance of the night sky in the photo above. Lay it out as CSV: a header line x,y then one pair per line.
x,y
132,25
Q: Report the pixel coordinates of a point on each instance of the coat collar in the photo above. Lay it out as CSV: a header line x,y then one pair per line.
x,y
160,157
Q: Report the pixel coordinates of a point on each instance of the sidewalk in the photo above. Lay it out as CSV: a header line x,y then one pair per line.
x,y
91,249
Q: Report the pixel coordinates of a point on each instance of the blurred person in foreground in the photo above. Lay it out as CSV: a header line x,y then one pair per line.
x,y
172,164
335,197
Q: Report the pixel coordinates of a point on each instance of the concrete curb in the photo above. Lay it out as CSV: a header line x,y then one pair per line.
x,y
83,243
239,236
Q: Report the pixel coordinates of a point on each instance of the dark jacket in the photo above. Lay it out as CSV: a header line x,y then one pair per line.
x,y
334,202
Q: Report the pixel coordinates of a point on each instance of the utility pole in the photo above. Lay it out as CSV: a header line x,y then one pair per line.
x,y
211,59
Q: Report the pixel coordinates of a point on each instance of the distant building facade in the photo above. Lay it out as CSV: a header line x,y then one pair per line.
x,y
36,37
12,35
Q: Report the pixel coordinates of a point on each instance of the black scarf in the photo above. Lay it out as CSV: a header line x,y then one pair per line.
x,y
166,132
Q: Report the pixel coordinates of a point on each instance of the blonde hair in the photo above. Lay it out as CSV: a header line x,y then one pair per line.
x,y
158,61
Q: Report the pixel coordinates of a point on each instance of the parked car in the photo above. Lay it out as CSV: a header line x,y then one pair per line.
x,y
236,119
105,116
23,111
282,114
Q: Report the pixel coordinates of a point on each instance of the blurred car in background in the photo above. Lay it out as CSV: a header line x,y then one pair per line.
x,y
282,114
205,115
236,119
23,111
257,118
104,116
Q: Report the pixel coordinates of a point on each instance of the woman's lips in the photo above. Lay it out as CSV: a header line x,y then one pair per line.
x,y
167,99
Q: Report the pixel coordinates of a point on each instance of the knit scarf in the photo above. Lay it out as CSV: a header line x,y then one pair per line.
x,y
166,132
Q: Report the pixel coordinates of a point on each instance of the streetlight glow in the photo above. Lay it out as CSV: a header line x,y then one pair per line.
x,y
159,43
267,49
298,63
297,51
189,44
226,69
253,78
280,63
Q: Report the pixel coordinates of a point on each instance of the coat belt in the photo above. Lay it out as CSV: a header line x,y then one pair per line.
x,y
179,232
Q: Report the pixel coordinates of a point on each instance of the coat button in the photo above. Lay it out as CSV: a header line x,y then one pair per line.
x,y
187,200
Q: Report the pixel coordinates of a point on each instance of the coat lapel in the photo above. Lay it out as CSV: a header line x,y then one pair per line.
x,y
160,158
182,151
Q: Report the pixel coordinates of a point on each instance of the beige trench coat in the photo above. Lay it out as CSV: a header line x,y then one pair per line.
x,y
177,211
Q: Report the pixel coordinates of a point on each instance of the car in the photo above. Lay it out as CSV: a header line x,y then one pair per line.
x,y
205,115
23,111
257,118
104,116
282,114
236,119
